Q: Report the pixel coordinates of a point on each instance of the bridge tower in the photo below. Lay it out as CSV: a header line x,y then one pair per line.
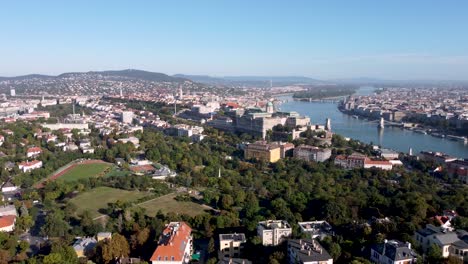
x,y
328,124
382,123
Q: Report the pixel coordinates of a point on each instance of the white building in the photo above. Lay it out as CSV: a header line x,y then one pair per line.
x,y
311,153
450,243
127,117
231,245
9,187
26,166
33,152
379,164
8,210
388,154
316,229
273,232
393,252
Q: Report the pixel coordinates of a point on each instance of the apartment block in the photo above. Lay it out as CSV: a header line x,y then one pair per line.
x,y
231,245
273,232
175,245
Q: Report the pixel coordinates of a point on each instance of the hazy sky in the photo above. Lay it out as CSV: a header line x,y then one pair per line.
x,y
398,39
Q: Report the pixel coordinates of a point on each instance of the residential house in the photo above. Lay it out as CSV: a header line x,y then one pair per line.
x,y
451,243
26,166
320,229
33,152
103,236
7,223
84,246
8,210
393,252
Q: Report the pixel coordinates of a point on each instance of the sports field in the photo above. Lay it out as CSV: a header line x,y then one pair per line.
x,y
79,169
167,204
98,198
84,171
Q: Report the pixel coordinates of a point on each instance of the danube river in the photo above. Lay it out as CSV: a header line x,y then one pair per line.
x,y
389,137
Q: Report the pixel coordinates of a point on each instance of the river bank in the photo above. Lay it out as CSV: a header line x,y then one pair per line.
x,y
367,131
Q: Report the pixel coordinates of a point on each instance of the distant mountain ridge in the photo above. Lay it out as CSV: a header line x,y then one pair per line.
x,y
283,80
129,73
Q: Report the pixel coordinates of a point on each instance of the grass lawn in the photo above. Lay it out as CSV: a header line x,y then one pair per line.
x,y
167,204
117,173
84,171
99,197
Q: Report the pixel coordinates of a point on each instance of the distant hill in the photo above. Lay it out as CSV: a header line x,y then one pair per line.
x,y
29,76
251,80
132,74
201,78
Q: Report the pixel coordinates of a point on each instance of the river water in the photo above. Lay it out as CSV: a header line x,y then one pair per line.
x,y
389,137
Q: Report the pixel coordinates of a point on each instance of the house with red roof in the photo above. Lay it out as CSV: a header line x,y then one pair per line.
x,y
26,166
379,164
7,223
33,152
175,245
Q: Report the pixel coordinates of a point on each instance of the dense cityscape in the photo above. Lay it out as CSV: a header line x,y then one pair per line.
x,y
190,172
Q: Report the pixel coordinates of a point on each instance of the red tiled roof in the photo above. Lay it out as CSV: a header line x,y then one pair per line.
x,y
378,162
142,168
176,245
7,220
34,149
27,163
232,104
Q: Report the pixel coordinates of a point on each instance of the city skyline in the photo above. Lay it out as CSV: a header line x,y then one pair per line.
x,y
395,41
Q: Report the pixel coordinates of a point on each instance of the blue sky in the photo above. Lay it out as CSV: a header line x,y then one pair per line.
x,y
397,39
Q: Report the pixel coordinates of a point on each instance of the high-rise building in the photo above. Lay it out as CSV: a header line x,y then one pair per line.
x,y
12,92
127,117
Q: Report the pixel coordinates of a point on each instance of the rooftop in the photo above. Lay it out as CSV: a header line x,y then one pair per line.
x,y
395,250
172,243
7,220
273,224
233,237
308,250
